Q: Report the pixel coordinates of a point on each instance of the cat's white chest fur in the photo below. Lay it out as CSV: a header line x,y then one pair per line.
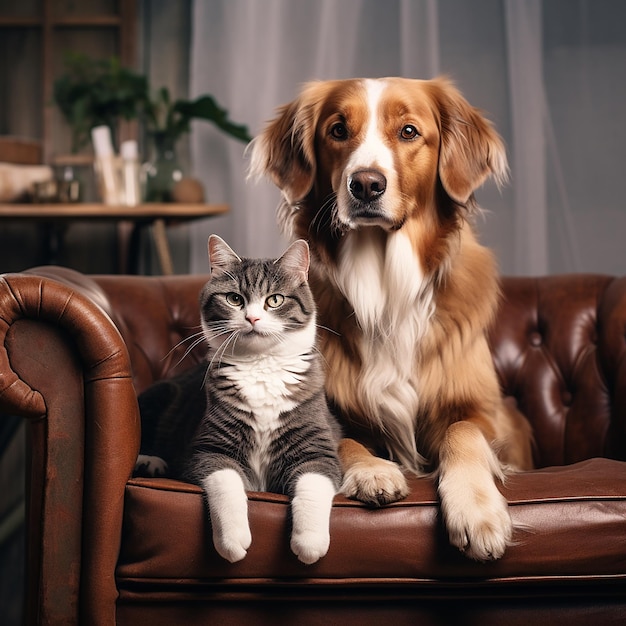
x,y
264,383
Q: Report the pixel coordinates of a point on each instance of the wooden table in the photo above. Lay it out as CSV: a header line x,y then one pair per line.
x,y
155,215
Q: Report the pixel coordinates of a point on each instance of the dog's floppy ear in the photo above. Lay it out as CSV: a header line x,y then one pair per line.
x,y
471,150
285,151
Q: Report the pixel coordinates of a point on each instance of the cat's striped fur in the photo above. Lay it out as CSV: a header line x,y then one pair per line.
x,y
267,425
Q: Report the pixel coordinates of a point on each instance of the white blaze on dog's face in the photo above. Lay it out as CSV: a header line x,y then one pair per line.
x,y
378,152
376,139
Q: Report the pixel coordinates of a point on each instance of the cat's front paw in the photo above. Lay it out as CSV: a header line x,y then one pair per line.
x,y
150,466
310,546
233,544
375,482
228,512
310,508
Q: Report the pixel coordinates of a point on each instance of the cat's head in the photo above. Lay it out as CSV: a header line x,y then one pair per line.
x,y
253,307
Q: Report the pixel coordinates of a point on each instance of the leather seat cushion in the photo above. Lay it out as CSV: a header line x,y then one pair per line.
x,y
572,527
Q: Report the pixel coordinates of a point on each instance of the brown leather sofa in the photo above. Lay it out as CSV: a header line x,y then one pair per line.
x,y
104,548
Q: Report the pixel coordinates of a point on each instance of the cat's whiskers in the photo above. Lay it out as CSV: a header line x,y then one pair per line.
x,y
319,353
231,276
196,338
231,340
296,326
217,354
326,211
206,375
329,211
330,330
217,329
198,341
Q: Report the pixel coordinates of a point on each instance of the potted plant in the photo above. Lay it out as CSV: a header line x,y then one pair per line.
x,y
93,92
166,121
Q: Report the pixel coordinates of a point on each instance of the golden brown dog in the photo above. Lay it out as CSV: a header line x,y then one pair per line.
x,y
378,175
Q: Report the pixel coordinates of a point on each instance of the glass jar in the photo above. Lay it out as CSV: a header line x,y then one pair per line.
x,y
163,170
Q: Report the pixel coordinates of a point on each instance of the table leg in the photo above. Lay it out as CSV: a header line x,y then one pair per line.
x,y
54,238
159,236
124,242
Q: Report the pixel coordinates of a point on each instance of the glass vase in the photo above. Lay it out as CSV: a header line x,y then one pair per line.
x,y
163,170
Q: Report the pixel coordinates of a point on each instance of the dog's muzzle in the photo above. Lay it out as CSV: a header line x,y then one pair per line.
x,y
367,185
366,194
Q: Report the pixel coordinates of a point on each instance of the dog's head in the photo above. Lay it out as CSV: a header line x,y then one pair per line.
x,y
385,149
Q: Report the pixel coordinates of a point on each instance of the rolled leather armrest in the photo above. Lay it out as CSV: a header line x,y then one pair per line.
x,y
62,362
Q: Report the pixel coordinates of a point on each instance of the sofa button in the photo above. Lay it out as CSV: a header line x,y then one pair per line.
x,y
535,339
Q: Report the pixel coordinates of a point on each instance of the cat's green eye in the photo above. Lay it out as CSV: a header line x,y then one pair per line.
x,y
274,301
234,299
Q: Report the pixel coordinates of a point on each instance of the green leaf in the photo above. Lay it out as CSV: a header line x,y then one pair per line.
x,y
206,108
101,91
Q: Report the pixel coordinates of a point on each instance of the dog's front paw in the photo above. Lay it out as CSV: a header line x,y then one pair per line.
x,y
375,482
478,522
233,544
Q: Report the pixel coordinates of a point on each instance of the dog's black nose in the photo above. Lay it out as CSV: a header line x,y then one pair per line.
x,y
367,185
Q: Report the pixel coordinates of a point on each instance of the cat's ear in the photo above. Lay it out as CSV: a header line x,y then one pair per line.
x,y
296,259
221,254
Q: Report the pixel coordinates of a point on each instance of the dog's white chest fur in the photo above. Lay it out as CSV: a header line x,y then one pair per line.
x,y
381,277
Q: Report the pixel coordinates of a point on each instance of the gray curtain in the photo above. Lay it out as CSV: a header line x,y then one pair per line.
x,y
549,73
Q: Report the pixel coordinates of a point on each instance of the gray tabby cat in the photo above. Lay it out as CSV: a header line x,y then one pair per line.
x,y
267,426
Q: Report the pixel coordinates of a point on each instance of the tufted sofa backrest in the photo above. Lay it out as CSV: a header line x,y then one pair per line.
x,y
159,318
558,343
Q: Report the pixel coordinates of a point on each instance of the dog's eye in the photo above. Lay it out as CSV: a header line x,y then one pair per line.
x,y
409,132
339,131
